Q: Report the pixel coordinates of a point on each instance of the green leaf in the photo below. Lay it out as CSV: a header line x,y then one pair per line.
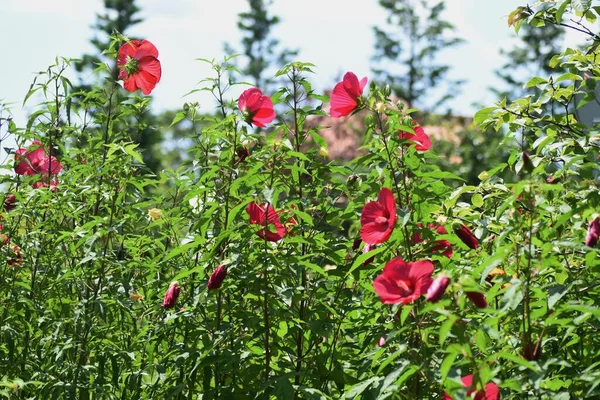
x,y
361,387
568,77
483,115
536,81
179,116
561,11
581,5
556,293
516,359
318,139
477,200
447,364
454,196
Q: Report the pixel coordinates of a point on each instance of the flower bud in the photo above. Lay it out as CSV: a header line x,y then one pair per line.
x,y
353,182
171,296
530,353
437,288
381,342
367,248
155,214
527,164
465,234
593,233
323,152
242,153
478,299
217,277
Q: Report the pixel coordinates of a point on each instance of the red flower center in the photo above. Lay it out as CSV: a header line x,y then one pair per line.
x,y
406,287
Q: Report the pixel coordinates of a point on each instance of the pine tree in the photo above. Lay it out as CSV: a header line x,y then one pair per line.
x,y
258,45
405,53
119,16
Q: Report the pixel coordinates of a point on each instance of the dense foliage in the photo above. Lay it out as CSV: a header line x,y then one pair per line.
x,y
258,269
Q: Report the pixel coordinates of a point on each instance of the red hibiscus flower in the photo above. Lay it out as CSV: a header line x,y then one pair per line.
x,y
437,288
465,234
491,392
256,107
593,232
139,67
440,245
34,160
345,97
420,138
403,282
217,277
267,220
378,218
171,296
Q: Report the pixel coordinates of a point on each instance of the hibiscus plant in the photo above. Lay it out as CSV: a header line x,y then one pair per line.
x,y
262,269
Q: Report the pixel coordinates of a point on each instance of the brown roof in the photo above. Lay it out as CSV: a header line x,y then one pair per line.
x,y
345,135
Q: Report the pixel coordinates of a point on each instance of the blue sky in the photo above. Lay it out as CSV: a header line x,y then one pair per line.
x,y
336,35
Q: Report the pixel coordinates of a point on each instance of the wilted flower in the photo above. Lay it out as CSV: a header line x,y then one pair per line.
x,y
345,97
135,297
491,391
242,153
155,214
15,258
465,234
217,277
593,233
171,296
52,184
138,65
437,288
9,202
494,273
256,107
403,282
378,218
268,220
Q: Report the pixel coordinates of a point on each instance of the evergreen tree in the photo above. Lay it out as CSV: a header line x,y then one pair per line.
x,y
405,53
258,45
119,16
